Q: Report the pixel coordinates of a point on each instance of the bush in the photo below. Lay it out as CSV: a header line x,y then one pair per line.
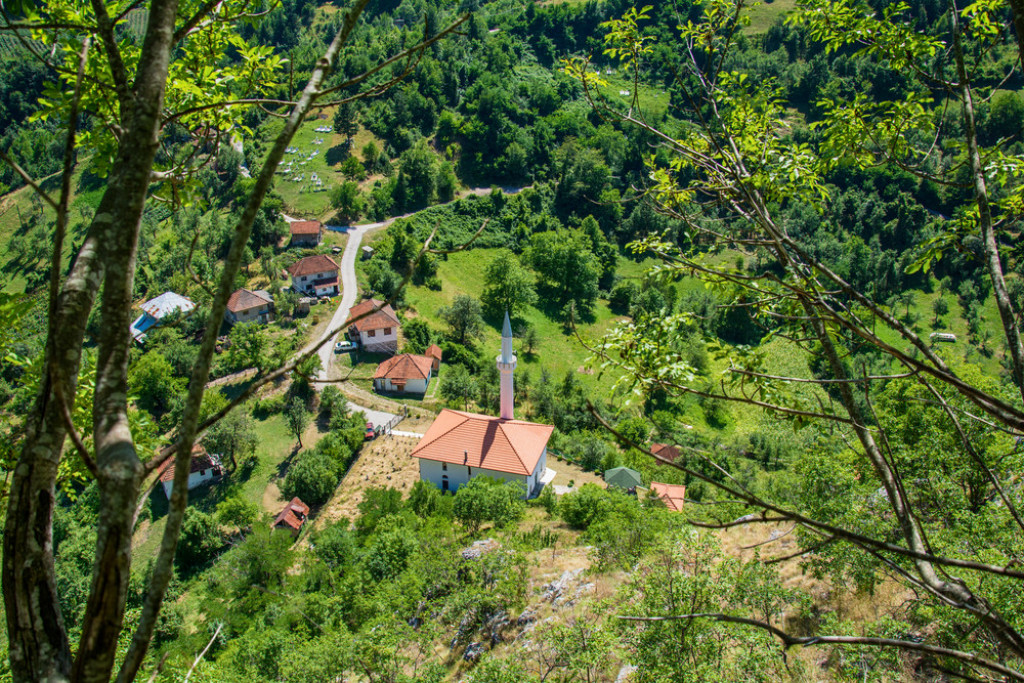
x,y
585,506
377,504
271,405
335,546
333,402
425,498
199,539
312,478
237,512
389,553
338,448
547,500
486,499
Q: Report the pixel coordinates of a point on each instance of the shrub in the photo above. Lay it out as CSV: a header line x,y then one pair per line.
x,y
199,539
583,507
486,499
425,498
237,512
312,478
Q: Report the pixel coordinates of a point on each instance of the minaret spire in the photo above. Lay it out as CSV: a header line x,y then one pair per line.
x,y
506,366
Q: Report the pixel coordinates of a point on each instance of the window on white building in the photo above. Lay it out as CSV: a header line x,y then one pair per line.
x,y
371,333
387,331
444,466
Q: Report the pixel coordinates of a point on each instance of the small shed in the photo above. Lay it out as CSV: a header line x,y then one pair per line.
x,y
292,517
623,478
366,253
434,354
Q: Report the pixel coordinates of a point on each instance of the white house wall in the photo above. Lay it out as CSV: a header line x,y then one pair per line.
x,y
304,283
194,480
412,386
459,475
379,339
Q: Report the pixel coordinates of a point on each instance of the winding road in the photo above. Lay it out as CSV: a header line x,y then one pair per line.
x,y
350,290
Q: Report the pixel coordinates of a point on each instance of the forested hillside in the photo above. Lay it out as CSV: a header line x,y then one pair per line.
x,y
770,253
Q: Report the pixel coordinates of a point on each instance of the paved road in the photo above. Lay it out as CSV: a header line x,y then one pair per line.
x,y
349,290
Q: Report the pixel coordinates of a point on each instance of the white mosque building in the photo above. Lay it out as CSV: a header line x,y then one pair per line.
x,y
460,445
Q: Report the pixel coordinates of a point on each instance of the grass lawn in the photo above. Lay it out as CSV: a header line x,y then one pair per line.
x,y
653,101
323,159
556,351
763,15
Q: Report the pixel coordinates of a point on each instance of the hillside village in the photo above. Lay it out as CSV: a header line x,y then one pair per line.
x,y
490,341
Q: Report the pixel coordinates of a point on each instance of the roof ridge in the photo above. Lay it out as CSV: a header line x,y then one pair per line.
x,y
512,445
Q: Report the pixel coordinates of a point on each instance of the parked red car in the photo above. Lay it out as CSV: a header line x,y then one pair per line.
x,y
369,432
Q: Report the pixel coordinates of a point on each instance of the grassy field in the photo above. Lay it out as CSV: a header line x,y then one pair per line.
x,y
556,351
323,159
653,101
764,14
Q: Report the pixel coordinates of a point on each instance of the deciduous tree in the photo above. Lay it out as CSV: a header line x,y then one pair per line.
x,y
508,287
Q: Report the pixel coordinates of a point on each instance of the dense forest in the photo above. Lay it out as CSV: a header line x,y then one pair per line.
x,y
767,252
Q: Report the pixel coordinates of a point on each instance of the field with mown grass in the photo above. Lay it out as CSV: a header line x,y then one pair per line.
x,y
763,14
324,159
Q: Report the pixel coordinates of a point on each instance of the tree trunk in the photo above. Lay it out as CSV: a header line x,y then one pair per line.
x,y
39,649
120,469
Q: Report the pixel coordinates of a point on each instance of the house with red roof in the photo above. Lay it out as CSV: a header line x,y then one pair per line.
x,y
203,468
405,373
460,445
292,517
673,495
377,330
315,275
246,306
305,233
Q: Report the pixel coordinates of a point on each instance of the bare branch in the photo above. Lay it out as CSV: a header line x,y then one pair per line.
x,y
790,640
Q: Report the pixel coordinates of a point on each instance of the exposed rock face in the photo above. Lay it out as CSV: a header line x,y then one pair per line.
x,y
473,652
478,548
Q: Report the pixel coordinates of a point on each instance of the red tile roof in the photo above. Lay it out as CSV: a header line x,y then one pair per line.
x,y
403,367
311,265
304,227
672,494
385,317
434,351
201,460
511,446
293,515
244,299
670,453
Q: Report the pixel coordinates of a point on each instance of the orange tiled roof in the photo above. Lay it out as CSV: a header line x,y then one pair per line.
x,y
244,299
293,515
320,263
404,366
385,317
304,227
672,494
434,351
511,446
201,460
670,453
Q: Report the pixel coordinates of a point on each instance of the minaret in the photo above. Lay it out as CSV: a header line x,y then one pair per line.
x,y
506,366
